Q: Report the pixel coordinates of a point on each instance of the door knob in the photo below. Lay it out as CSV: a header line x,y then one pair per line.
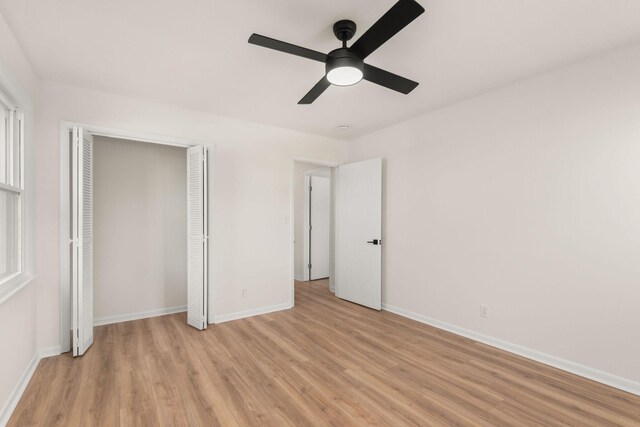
x,y
375,241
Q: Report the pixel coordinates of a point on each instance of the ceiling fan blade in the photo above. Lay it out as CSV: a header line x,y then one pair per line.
x,y
388,80
399,16
315,91
270,43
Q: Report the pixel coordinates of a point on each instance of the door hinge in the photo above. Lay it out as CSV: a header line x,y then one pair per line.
x,y
309,266
310,226
310,188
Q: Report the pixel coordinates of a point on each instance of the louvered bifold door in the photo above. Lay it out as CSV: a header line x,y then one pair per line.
x,y
197,230
82,240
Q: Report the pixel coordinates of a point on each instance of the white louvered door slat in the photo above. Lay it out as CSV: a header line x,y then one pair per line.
x,y
197,229
82,241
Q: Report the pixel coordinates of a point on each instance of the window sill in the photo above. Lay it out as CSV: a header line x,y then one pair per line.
x,y
13,286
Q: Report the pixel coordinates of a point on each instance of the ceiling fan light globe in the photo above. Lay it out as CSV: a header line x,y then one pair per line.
x,y
344,76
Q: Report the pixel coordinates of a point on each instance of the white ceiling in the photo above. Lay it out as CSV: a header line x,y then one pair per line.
x,y
195,53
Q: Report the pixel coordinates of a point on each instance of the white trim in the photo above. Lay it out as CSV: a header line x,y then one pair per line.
x,y
211,290
65,280
205,179
65,234
317,162
16,97
250,313
335,278
307,224
18,390
547,359
298,278
45,352
132,135
14,285
324,172
21,386
140,315
10,188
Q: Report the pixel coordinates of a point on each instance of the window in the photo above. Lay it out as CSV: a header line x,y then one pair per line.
x,y
11,189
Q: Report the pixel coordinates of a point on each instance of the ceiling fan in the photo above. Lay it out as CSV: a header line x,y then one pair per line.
x,y
345,66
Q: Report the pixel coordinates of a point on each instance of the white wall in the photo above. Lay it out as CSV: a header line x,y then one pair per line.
x,y
140,223
18,338
15,62
252,165
526,199
18,313
298,209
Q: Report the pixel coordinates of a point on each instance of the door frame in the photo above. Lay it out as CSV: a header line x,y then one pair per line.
x,y
292,249
306,241
65,164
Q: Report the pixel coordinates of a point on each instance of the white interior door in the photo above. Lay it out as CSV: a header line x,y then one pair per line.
x,y
82,240
197,229
359,233
319,226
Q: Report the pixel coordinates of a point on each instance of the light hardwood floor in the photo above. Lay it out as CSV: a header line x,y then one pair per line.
x,y
325,362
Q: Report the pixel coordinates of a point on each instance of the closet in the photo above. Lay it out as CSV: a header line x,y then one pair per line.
x,y
138,232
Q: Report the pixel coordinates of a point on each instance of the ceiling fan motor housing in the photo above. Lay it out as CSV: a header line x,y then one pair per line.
x,y
343,57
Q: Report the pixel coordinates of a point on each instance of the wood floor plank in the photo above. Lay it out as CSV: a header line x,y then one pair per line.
x,y
325,362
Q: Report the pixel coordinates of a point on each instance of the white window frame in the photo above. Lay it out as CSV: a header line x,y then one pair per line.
x,y
15,99
13,187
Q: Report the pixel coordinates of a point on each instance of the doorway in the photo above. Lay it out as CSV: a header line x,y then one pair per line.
x,y
313,222
355,231
318,223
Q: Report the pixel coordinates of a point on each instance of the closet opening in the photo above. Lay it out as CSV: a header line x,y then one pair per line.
x,y
137,232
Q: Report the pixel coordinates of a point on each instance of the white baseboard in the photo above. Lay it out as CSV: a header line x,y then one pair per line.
x,y
49,351
137,316
298,277
249,313
565,365
16,394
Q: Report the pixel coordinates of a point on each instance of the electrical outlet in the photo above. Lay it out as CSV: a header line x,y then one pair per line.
x,y
484,310
244,292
